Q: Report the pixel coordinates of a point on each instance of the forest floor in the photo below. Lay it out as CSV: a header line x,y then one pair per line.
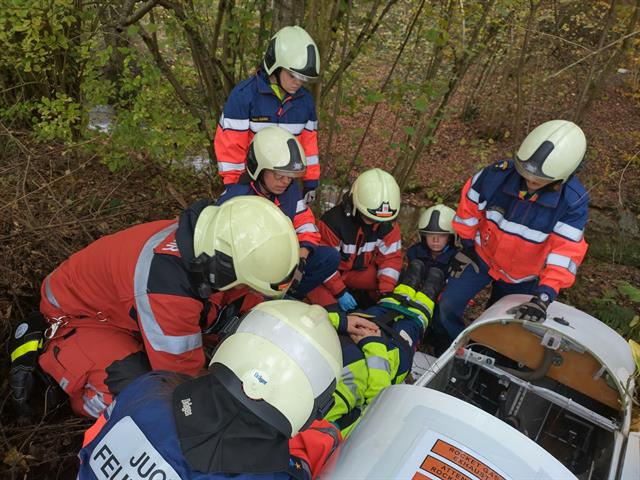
x,y
54,200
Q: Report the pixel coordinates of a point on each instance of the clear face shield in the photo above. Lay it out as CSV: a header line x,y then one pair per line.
x,y
301,77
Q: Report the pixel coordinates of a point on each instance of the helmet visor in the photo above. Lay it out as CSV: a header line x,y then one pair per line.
x,y
535,177
281,287
279,174
300,76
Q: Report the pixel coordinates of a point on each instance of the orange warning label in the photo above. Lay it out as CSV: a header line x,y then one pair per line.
x,y
464,460
441,470
419,476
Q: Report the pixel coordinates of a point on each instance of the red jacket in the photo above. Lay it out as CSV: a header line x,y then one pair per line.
x,y
361,245
252,105
523,237
138,280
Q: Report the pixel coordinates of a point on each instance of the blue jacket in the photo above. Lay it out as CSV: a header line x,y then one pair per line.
x,y
140,439
420,251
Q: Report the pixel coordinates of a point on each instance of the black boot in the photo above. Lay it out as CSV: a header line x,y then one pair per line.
x,y
434,283
413,275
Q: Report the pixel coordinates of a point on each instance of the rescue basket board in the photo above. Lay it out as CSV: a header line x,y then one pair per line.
x,y
411,432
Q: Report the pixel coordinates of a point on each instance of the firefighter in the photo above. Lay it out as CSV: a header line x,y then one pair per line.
x,y
274,161
521,223
362,228
139,299
380,354
255,413
273,96
437,246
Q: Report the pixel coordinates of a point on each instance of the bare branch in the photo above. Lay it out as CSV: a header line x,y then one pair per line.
x,y
607,46
166,70
141,12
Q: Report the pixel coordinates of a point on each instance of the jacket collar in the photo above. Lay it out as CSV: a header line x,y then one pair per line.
x,y
217,434
186,229
546,197
264,86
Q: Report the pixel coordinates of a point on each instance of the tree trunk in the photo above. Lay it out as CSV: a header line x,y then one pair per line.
x,y
287,12
533,6
589,83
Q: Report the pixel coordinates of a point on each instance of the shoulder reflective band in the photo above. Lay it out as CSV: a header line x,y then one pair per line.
x,y
31,346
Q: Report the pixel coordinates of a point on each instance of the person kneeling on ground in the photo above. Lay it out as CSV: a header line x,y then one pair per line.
x,y
255,413
437,246
139,299
521,224
378,344
363,229
274,163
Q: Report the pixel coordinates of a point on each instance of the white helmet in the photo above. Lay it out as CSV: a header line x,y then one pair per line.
x,y
436,219
246,241
293,49
376,195
274,148
282,363
552,151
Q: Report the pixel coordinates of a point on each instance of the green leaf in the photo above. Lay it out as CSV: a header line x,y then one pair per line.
x,y
374,97
432,35
133,30
629,291
421,104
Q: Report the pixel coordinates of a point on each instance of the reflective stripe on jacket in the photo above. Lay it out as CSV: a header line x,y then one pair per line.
x,y
137,438
361,245
290,202
137,280
252,105
374,363
521,237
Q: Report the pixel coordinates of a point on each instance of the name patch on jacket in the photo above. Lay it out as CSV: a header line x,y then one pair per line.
x,y
125,452
260,119
169,246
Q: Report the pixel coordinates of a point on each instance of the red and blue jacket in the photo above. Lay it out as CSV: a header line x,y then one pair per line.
x,y
138,280
138,437
252,106
290,202
521,236
361,245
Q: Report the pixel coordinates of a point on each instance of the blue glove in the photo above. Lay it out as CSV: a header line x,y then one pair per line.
x,y
347,302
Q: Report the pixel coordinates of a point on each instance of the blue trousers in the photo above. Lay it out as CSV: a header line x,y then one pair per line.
x,y
321,264
456,295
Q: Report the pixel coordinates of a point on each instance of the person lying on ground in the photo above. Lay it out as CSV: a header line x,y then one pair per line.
x,y
378,343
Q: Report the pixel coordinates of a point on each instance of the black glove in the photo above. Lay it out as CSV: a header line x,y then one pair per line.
x,y
535,310
309,196
465,257
434,283
297,276
25,346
